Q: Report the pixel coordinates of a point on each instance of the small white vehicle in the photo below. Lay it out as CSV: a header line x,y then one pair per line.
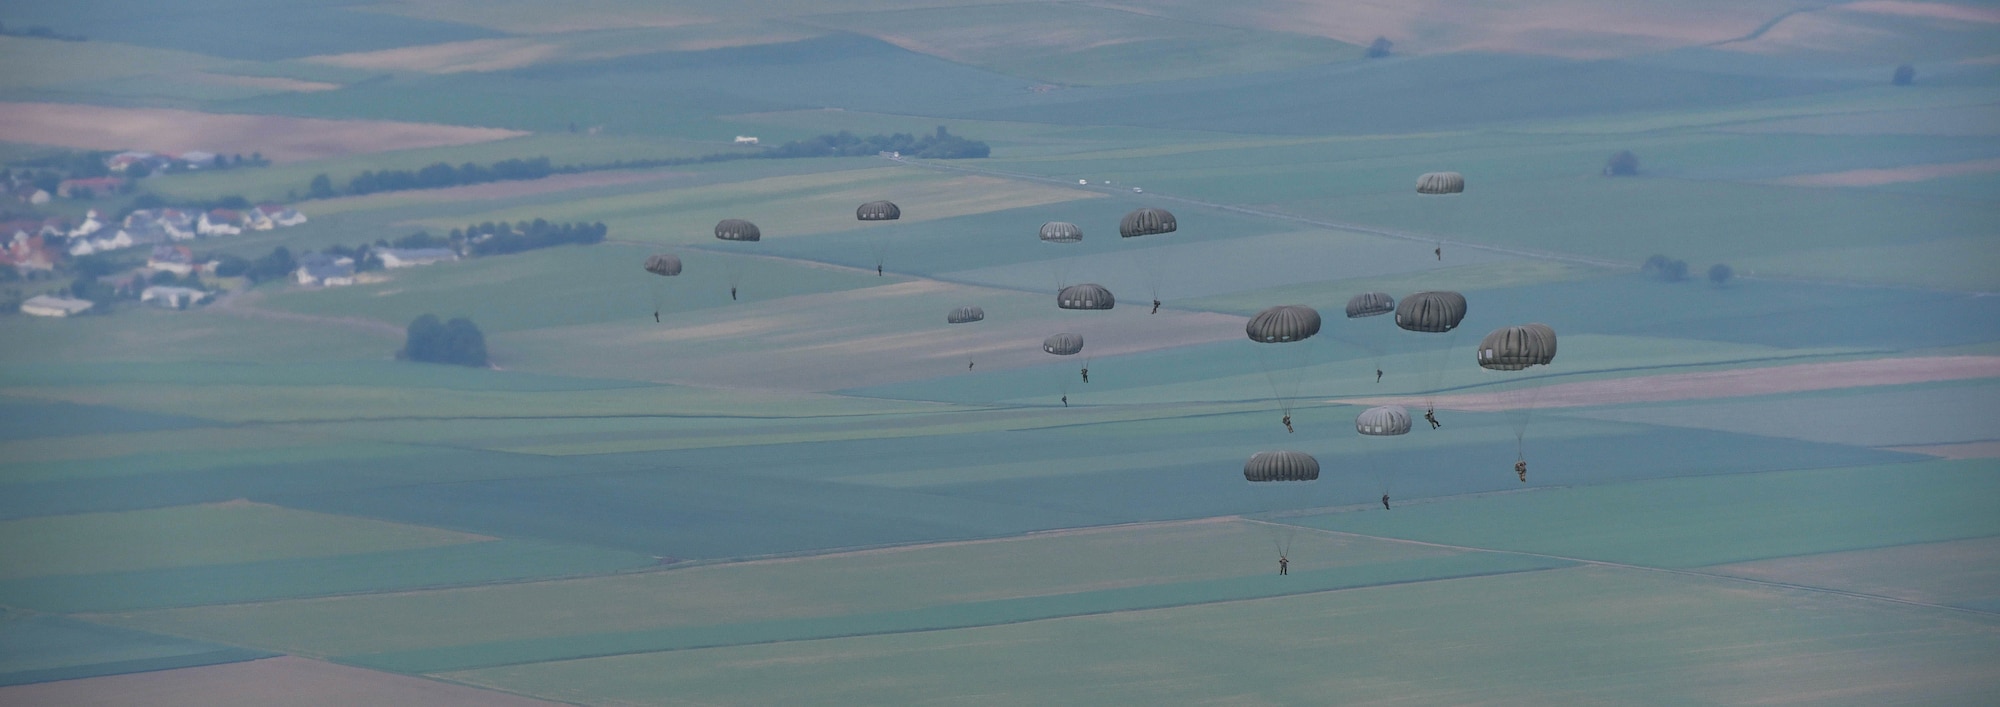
x,y
1137,190
1083,181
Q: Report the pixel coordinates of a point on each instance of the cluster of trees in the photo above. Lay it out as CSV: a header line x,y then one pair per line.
x,y
435,176
500,238
1379,48
1623,164
1905,75
275,265
939,145
457,342
38,32
1671,270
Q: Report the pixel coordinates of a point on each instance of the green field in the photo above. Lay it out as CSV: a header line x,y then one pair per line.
x,y
1586,635
195,535
801,484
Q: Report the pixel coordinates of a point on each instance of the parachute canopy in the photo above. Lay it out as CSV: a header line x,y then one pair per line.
x,y
962,315
1369,304
1283,323
663,264
1385,421
1516,347
1061,232
1431,312
878,211
1146,222
736,229
1063,344
1085,296
1281,466
1441,183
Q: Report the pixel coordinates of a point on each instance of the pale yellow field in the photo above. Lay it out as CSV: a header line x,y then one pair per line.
x,y
280,139
284,681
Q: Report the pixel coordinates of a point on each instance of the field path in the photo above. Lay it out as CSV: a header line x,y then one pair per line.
x,y
242,304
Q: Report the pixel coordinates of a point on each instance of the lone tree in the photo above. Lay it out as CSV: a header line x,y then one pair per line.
x,y
1905,75
1665,268
1720,274
1623,164
456,342
1379,48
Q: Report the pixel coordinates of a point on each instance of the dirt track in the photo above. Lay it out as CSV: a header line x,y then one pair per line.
x,y
1718,384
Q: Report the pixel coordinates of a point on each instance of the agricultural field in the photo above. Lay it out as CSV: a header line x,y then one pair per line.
x,y
1762,469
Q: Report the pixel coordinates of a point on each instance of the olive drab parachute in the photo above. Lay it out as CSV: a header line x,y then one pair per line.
x,y
1146,222
1280,466
1085,296
1431,312
1283,323
1517,347
963,315
736,229
663,264
878,211
1369,304
1063,344
1441,183
1385,421
1061,232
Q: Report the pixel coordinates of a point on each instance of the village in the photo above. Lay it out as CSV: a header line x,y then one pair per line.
x,y
173,275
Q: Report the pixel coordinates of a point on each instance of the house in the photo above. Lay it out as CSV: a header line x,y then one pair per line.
x,y
89,188
172,297
41,196
27,252
123,161
411,257
268,216
746,140
219,222
92,223
51,306
172,258
196,159
325,270
178,224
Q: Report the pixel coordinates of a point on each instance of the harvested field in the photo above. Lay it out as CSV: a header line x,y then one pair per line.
x,y
1930,10
1968,450
272,682
1718,384
1964,573
280,139
274,83
1898,175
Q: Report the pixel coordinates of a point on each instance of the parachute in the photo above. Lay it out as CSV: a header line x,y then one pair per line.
x,y
1430,313
1385,421
1151,261
1062,233
1385,425
1518,348
1291,327
1440,203
1063,344
878,245
1283,323
663,264
1265,467
1146,222
1370,304
878,211
964,315
1085,296
738,231
1282,480
1440,183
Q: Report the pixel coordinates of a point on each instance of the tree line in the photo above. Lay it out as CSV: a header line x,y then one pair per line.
x,y
434,176
938,145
